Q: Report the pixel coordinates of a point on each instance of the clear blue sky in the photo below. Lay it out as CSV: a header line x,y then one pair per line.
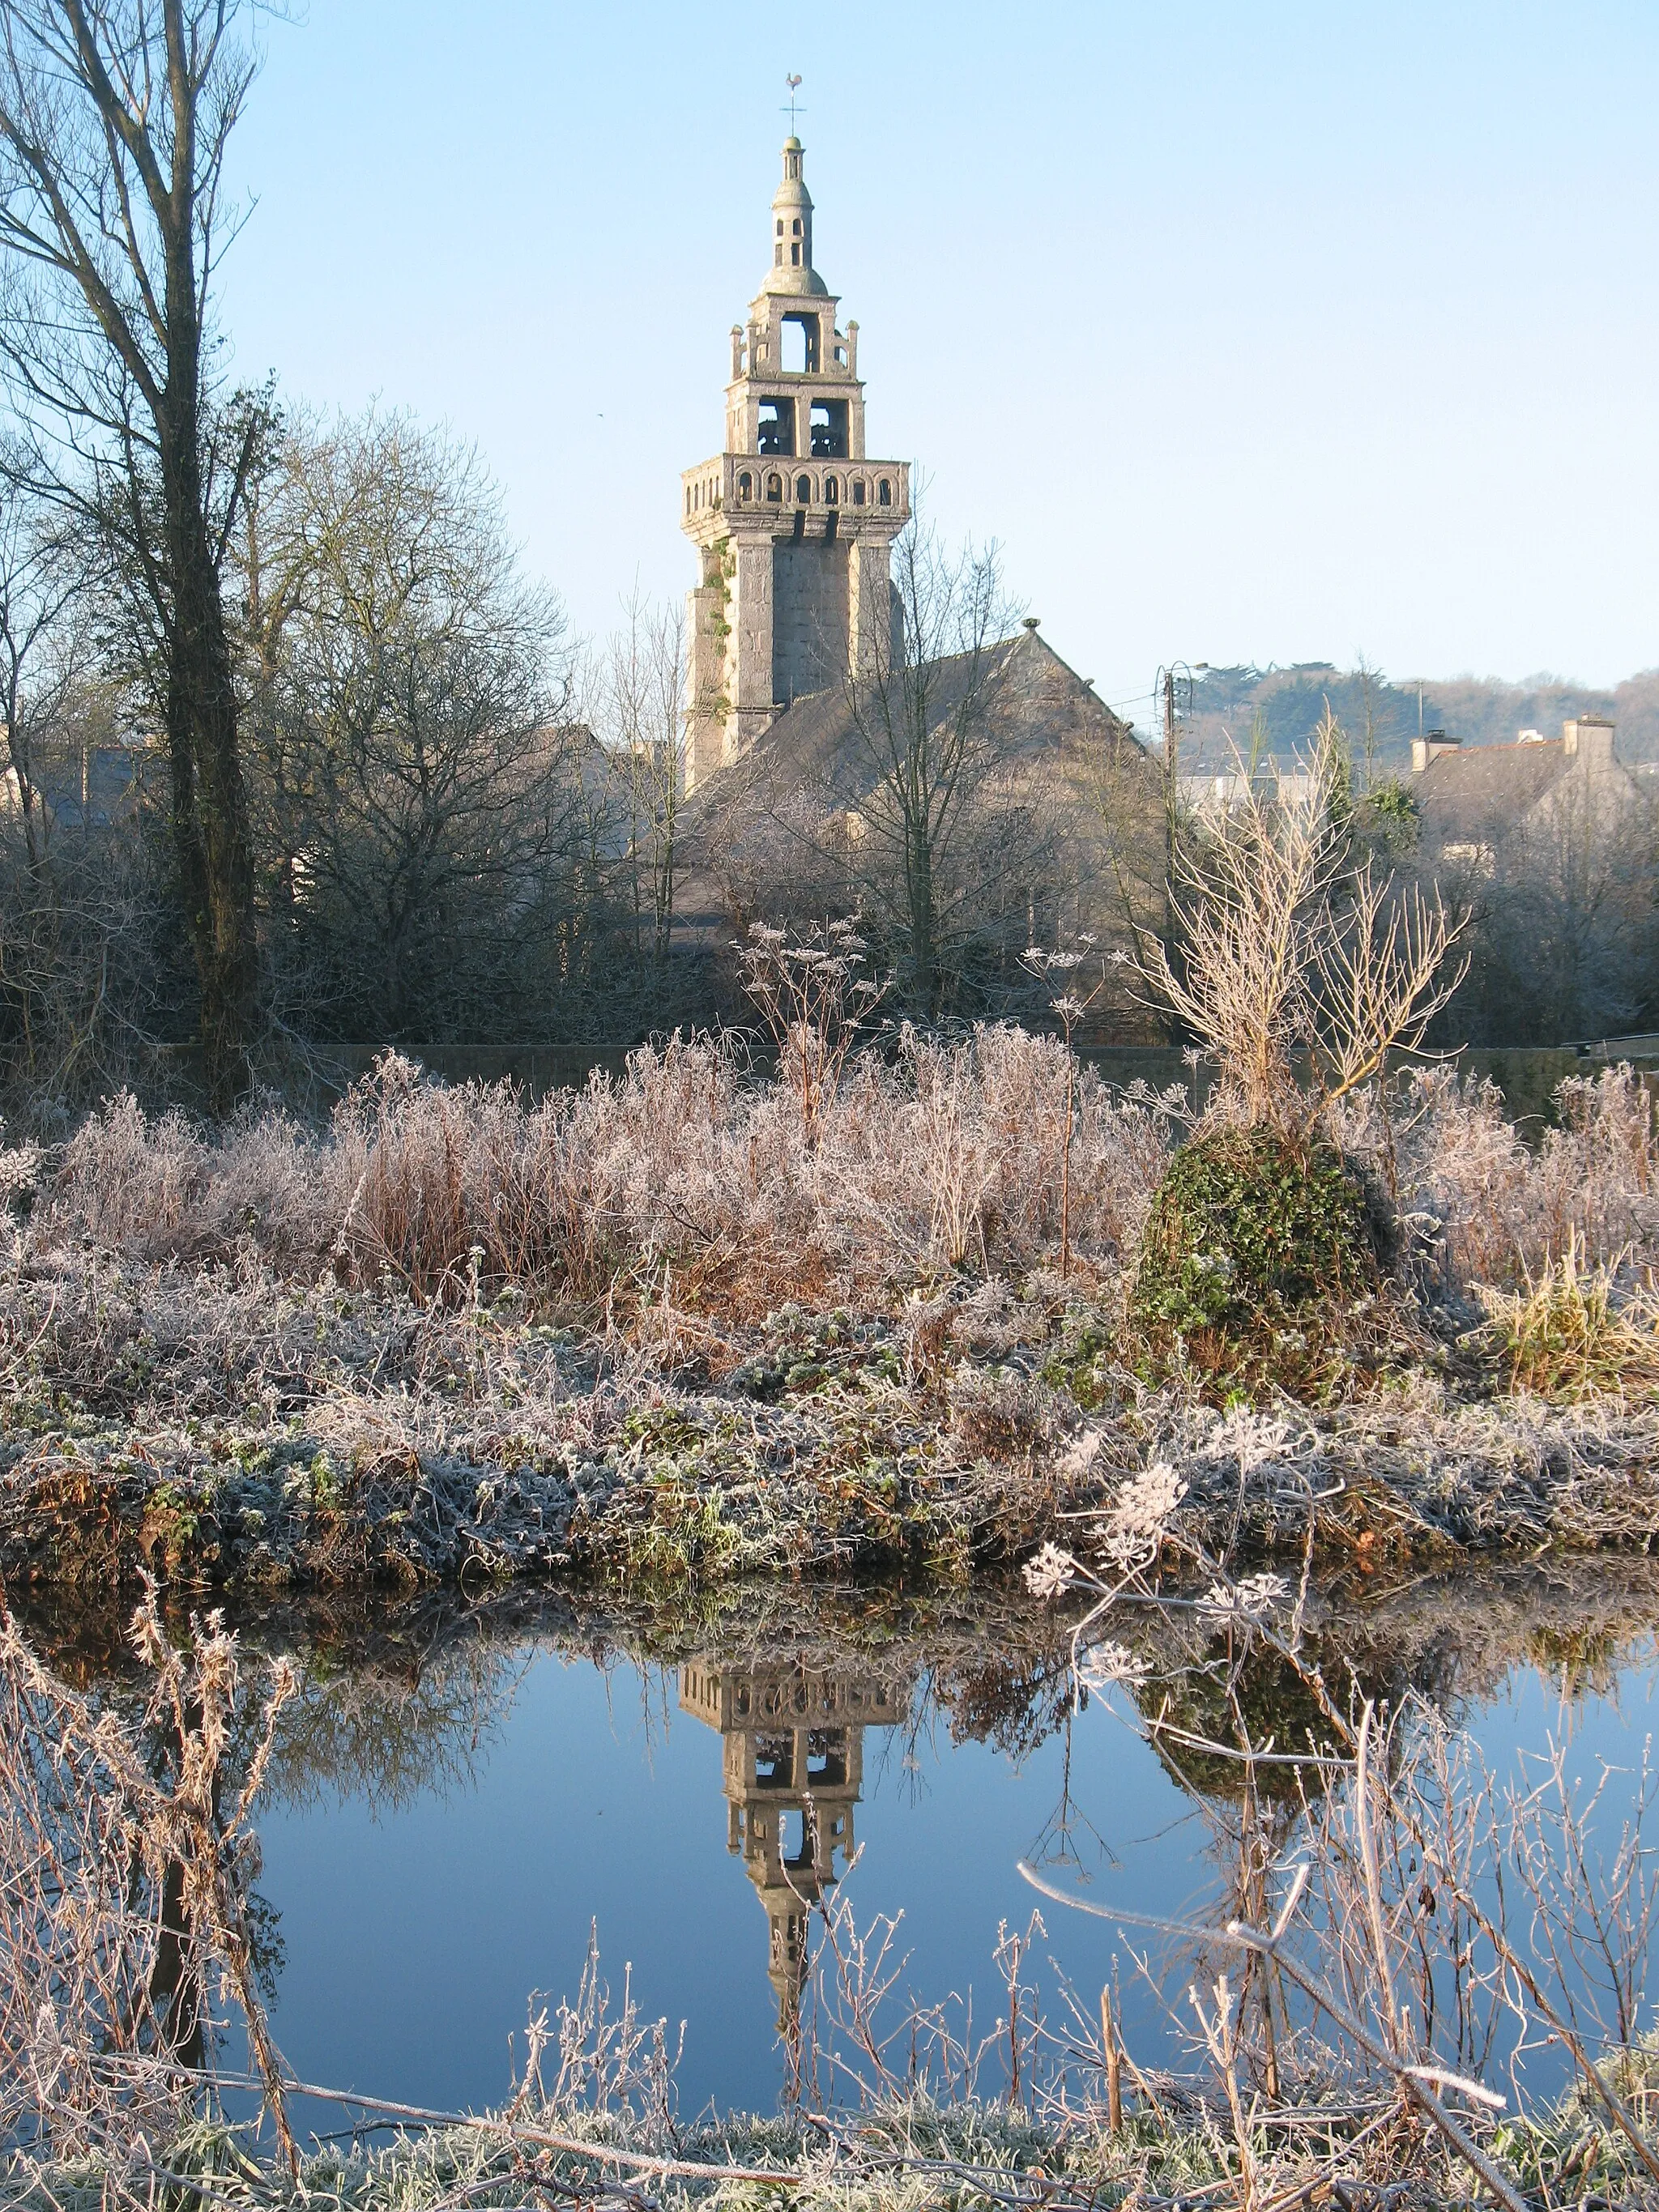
x,y
1252,330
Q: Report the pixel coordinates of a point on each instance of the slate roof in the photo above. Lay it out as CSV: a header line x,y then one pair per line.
x,y
1038,704
1479,792
112,773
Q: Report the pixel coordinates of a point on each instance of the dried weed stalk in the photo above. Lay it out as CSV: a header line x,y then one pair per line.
x,y
813,1001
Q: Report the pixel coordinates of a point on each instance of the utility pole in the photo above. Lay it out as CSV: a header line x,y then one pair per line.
x,y
1171,794
1163,686
1169,724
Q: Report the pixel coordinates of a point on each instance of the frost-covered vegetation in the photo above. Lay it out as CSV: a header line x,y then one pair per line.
x,y
909,1299
696,1323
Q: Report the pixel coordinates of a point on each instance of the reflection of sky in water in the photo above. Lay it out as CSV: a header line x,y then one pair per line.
x,y
415,1933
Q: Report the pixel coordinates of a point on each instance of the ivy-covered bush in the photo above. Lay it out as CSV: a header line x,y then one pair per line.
x,y
1258,1252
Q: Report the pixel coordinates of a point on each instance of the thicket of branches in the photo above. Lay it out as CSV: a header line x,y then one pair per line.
x,y
1295,962
417,787
301,761
461,822
1563,923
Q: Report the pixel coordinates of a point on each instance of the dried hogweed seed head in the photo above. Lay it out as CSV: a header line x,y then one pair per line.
x,y
1105,1664
1050,1572
1252,1600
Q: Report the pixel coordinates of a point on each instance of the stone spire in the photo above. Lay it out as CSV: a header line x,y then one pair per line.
x,y
792,519
792,269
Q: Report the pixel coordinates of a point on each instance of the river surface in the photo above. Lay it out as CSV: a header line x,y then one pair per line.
x,y
461,1800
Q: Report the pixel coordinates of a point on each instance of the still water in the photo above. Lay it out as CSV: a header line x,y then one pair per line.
x,y
459,1797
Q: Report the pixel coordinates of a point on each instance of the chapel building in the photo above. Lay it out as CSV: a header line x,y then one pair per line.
x,y
1056,817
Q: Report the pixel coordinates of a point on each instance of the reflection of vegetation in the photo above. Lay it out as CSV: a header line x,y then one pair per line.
x,y
1243,1692
1013,1699
387,1736
1583,1659
1452,1641
389,1706
1252,1699
396,1701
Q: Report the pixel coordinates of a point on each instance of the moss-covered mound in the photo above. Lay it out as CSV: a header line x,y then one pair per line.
x,y
1259,1256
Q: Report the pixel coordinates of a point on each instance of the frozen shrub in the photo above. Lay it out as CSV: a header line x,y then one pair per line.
x,y
1598,1172
688,1180
1258,1252
813,999
1295,962
938,1192
428,1163
159,1190
20,1171
1001,1416
1463,1169
1562,1338
1123,1148
1489,1209
952,1159
129,1183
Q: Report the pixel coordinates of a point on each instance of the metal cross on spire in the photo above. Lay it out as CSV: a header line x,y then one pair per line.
x,y
793,83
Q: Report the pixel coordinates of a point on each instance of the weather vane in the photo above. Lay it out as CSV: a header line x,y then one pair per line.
x,y
793,83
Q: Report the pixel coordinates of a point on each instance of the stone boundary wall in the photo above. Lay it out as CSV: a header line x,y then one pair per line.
x,y
1528,1075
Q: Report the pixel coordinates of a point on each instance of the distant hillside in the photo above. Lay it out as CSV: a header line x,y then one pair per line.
x,y
1289,701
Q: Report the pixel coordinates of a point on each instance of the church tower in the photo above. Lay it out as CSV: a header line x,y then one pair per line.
x,y
792,522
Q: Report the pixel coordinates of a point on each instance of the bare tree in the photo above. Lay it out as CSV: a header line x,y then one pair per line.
x,y
44,648
937,823
115,118
424,798
1286,949
636,697
1137,825
1563,927
79,973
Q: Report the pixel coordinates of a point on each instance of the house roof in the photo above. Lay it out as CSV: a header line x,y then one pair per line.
x,y
1034,703
1481,791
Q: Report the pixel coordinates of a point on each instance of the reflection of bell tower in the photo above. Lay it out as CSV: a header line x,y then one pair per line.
x,y
793,1770
792,520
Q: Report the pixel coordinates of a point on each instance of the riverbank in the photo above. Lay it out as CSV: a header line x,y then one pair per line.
x,y
224,1430
1173,2150
672,1331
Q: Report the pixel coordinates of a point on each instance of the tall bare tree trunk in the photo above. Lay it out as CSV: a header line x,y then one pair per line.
x,y
114,119
209,807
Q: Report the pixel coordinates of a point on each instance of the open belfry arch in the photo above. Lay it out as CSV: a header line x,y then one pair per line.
x,y
792,522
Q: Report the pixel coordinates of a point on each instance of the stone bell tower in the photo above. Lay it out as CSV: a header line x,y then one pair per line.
x,y
792,522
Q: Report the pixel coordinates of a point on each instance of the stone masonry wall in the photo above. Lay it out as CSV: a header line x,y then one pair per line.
x,y
810,605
